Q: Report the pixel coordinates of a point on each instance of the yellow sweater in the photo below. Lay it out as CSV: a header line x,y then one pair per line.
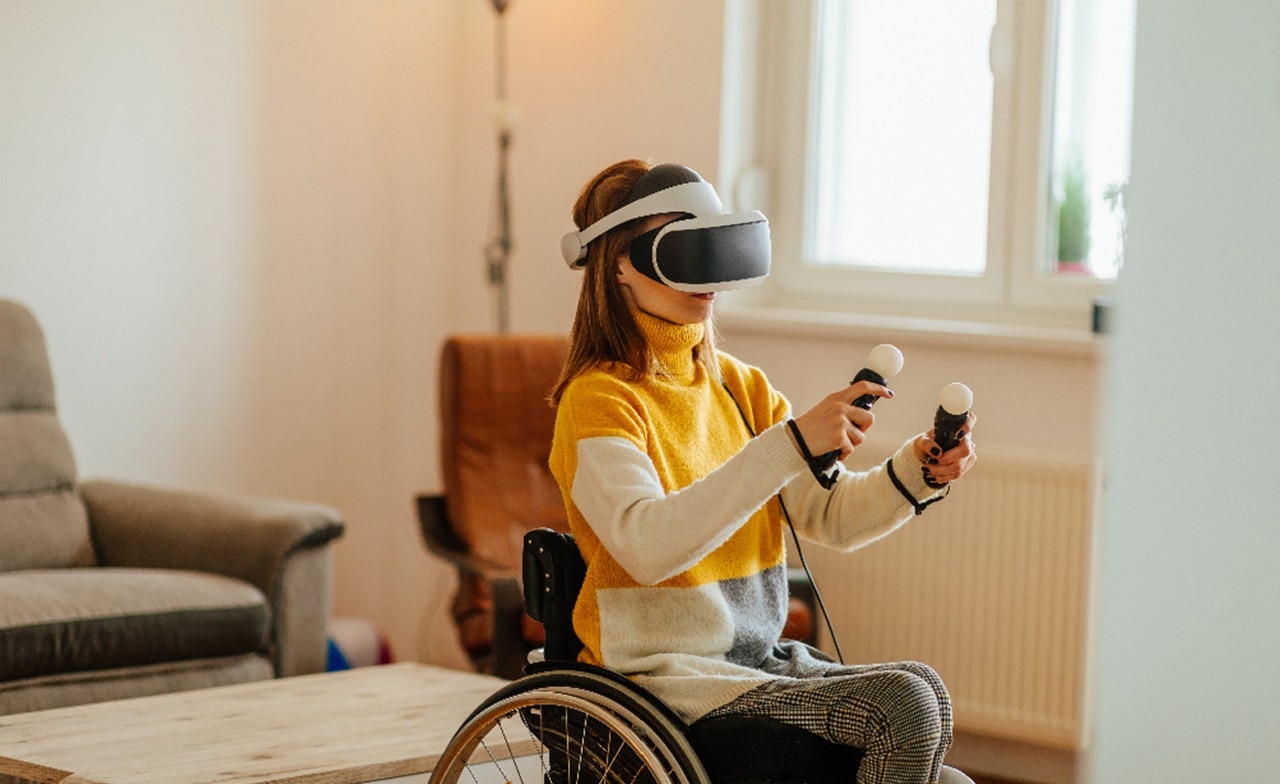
x,y
675,508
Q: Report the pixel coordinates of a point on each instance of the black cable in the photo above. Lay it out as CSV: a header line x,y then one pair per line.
x,y
817,595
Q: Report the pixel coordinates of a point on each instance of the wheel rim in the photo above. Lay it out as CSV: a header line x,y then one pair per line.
x,y
556,737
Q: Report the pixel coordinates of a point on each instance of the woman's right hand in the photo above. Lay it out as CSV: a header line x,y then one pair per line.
x,y
835,424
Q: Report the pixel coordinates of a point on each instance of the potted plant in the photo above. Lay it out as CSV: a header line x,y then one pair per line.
x,y
1114,195
1072,200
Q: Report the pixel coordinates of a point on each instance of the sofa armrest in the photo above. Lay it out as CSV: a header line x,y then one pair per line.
x,y
278,546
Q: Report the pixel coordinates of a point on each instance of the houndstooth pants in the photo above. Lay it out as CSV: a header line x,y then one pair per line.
x,y
900,714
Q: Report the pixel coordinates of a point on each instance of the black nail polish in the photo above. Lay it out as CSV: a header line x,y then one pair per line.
x,y
935,450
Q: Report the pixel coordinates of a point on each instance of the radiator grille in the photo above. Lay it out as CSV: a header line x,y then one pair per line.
x,y
990,588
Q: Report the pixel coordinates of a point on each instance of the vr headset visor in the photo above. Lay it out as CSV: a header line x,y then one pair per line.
x,y
708,251
701,255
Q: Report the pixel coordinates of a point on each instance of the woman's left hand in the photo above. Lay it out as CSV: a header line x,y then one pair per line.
x,y
942,467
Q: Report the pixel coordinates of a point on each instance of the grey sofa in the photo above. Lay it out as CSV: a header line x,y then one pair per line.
x,y
111,590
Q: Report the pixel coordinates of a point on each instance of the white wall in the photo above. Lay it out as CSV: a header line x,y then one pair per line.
x,y
247,225
224,214
1189,632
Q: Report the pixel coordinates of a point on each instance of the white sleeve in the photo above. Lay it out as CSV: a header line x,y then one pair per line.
x,y
862,507
655,535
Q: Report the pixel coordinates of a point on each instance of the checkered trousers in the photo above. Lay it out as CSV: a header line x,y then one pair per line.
x,y
900,714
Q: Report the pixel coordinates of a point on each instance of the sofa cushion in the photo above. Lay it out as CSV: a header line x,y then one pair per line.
x,y
42,519
71,620
44,530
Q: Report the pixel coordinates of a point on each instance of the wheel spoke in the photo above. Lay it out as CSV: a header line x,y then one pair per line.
x,y
582,745
502,729
574,730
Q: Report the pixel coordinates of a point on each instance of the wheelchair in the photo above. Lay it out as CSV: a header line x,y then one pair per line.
x,y
565,722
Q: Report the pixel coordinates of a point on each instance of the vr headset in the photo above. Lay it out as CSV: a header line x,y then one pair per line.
x,y
707,250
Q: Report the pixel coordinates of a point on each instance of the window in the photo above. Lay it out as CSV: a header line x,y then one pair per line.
x,y
1089,162
928,157
901,136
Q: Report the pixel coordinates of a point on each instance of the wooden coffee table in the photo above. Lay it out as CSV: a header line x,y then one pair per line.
x,y
368,724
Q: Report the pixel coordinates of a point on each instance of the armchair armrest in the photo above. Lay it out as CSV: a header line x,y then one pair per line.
x,y
802,609
504,584
276,545
443,542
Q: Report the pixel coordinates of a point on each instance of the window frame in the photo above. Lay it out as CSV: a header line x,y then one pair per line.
x,y
765,114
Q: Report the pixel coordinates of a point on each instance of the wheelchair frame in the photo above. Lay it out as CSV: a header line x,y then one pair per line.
x,y
566,722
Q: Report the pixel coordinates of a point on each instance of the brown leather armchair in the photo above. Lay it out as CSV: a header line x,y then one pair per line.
x,y
496,426
495,441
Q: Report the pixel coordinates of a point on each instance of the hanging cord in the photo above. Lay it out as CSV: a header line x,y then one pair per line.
x,y
786,515
817,595
498,250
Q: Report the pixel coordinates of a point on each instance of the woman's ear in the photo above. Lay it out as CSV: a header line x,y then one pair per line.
x,y
627,274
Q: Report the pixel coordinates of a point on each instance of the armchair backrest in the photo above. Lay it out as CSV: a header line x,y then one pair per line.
x,y
496,429
42,519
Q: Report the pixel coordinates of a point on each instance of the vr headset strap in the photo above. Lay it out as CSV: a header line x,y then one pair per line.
x,y
697,198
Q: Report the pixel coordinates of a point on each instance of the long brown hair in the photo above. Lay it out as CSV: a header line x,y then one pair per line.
x,y
604,329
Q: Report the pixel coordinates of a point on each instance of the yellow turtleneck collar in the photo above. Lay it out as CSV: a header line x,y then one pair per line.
x,y
671,345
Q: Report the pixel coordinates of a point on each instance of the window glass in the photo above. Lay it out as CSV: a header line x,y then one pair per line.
x,y
1093,100
901,135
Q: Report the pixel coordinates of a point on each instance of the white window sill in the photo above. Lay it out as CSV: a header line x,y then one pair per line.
x,y
1013,338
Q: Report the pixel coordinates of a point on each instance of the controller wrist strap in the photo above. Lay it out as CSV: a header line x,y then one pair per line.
x,y
818,465
917,505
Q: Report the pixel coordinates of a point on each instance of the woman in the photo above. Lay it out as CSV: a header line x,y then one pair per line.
x,y
679,465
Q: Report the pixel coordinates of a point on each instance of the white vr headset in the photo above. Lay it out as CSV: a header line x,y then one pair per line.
x,y
708,251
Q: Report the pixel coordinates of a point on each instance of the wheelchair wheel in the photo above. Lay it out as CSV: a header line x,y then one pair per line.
x,y
575,726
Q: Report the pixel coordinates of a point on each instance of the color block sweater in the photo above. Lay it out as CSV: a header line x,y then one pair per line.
x,y
674,506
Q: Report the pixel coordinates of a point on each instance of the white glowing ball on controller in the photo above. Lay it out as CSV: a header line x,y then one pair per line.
x,y
885,359
956,398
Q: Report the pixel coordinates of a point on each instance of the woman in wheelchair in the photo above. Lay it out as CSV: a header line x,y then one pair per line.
x,y
679,466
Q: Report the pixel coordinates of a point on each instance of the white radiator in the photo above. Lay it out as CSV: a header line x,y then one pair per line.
x,y
989,587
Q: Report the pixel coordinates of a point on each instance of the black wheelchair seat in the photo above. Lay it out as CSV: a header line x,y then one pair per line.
x,y
744,749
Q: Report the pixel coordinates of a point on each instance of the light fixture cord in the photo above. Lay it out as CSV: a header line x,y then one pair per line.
x,y
498,252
